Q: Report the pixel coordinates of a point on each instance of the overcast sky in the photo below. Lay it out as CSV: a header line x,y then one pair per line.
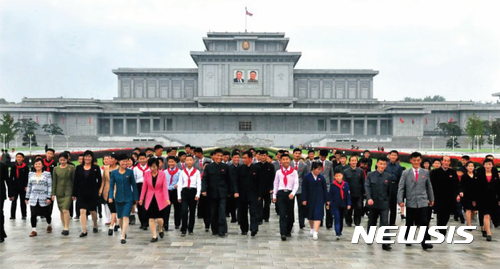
x,y
68,48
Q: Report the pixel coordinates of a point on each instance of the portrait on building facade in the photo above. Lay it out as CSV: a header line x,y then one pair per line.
x,y
238,77
253,77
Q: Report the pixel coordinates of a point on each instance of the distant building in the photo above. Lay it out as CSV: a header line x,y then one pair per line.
x,y
246,90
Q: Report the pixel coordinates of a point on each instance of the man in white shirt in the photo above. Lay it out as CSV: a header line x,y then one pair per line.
x,y
139,170
286,185
188,191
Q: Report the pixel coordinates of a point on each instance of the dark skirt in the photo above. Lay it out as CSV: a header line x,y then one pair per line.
x,y
315,210
112,207
154,211
88,204
123,209
467,204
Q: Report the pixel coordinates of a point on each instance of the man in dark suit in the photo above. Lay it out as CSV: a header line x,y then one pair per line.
x,y
215,185
19,183
328,170
267,173
4,181
247,187
301,169
239,77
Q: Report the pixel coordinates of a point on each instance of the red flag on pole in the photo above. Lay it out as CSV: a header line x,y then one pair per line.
x,y
451,120
90,119
50,121
36,119
248,13
412,121
401,120
426,121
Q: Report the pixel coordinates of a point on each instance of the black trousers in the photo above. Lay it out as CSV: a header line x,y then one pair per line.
x,y
285,207
40,211
375,214
302,209
218,215
328,218
393,208
204,210
20,196
141,211
443,216
264,207
177,209
188,204
2,221
244,204
357,209
418,217
231,207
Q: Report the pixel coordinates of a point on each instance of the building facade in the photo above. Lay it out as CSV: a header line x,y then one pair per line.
x,y
246,90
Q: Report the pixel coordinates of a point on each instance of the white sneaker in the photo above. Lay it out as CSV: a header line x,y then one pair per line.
x,y
338,237
315,236
311,232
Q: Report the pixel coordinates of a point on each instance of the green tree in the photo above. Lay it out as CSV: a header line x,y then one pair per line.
x,y
9,127
28,127
475,126
435,98
52,129
449,128
495,130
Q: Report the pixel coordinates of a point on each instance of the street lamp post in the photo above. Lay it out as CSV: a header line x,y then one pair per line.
x,y
419,142
67,142
52,138
16,136
477,143
30,136
453,137
493,136
4,144
433,137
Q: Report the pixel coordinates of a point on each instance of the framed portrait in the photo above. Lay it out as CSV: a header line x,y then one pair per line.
x,y
253,76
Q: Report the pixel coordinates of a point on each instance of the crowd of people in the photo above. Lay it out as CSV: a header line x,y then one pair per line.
x,y
327,188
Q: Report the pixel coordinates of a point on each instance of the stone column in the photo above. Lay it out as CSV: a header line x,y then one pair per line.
x,y
124,125
138,127
352,125
378,125
365,127
111,127
151,124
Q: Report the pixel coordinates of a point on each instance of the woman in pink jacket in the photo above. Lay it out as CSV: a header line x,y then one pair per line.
x,y
155,190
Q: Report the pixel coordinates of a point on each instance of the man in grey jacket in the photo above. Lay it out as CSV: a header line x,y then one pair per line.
x,y
416,187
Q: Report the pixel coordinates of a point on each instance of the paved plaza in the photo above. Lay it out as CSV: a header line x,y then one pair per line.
x,y
203,250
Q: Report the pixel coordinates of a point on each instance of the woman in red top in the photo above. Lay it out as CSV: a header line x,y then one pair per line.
x,y
487,198
154,196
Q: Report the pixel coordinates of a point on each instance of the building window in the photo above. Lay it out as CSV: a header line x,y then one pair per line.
x,y
169,124
156,124
321,125
334,127
245,126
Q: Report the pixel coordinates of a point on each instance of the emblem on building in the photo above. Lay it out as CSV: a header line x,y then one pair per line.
x,y
245,45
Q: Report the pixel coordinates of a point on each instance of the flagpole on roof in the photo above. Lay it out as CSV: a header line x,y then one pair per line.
x,y
246,19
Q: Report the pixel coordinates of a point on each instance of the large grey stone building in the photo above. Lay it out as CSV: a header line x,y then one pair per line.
x,y
246,90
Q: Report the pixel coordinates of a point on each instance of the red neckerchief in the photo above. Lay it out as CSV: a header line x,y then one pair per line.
x,y
143,170
341,187
285,174
489,178
183,166
296,165
19,167
48,164
323,165
189,176
364,172
172,173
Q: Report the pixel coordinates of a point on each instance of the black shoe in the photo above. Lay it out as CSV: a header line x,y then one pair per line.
x,y
123,241
260,222
154,240
214,233
191,233
83,234
207,230
24,218
484,233
283,238
349,225
2,240
95,230
65,232
125,236
162,234
145,228
132,220
386,247
266,220
427,246
116,227
403,217
488,238
222,234
100,216
244,233
233,221
288,235
183,234
177,227
462,221
408,245
110,232
253,233
12,218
